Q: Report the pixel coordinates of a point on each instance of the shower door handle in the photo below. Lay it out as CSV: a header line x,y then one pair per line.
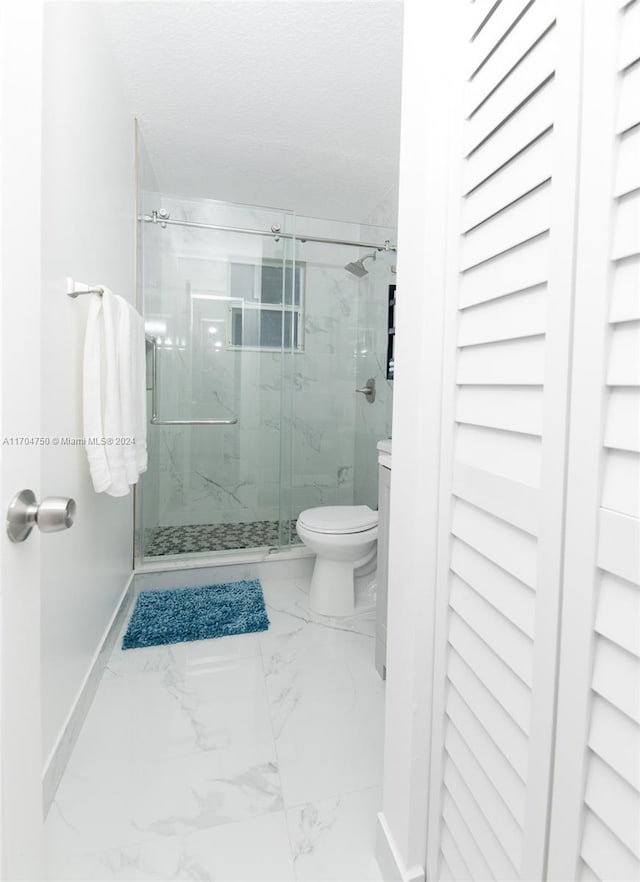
x,y
156,422
155,419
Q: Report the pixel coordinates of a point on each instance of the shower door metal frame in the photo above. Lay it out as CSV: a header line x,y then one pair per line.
x,y
158,217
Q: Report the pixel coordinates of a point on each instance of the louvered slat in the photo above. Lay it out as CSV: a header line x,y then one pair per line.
x,y
624,355
629,106
615,737
515,408
515,270
585,873
509,362
509,455
619,545
505,498
618,615
622,430
532,121
614,802
507,641
483,790
604,855
494,33
478,867
523,314
508,784
509,596
621,482
521,221
626,230
505,545
445,873
493,853
616,677
625,300
452,857
503,684
524,37
535,69
506,734
509,184
629,51
628,170
480,13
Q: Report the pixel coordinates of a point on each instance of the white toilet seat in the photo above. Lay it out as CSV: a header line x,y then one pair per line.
x,y
339,519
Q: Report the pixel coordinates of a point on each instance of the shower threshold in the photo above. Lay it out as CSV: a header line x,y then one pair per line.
x,y
208,538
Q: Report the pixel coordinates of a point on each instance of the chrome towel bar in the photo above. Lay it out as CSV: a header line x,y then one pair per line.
x,y
74,294
75,289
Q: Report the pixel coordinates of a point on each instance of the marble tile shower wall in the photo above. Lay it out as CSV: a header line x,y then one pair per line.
x,y
373,421
214,475
324,379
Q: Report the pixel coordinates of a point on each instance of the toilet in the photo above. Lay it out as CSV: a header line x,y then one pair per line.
x,y
344,538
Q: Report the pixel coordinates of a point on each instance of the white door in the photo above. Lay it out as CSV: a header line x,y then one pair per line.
x,y
20,159
508,319
595,813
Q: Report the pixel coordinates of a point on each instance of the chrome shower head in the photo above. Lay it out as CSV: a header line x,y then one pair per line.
x,y
357,267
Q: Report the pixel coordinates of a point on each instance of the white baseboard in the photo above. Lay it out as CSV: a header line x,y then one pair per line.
x,y
59,757
391,864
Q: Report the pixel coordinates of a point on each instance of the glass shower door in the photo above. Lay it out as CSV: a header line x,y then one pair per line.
x,y
215,302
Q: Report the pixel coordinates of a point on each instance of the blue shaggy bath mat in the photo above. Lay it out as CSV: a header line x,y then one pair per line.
x,y
182,614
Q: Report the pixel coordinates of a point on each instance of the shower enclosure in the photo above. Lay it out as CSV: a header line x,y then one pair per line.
x,y
258,337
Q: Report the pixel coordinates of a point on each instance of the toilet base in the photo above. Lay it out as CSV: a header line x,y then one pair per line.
x,y
332,587
333,583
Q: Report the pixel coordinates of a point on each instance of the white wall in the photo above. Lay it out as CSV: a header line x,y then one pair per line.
x,y
88,233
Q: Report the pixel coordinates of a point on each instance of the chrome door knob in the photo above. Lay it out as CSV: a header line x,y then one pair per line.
x,y
53,514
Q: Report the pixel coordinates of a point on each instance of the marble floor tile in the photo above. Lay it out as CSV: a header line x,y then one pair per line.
x,y
196,759
326,699
333,840
287,602
214,703
255,850
188,657
171,751
147,801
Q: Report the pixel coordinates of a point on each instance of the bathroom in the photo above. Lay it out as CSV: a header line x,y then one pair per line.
x,y
496,145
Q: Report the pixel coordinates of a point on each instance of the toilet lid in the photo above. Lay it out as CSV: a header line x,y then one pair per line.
x,y
339,518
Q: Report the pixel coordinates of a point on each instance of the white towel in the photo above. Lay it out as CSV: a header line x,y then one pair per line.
x,y
114,394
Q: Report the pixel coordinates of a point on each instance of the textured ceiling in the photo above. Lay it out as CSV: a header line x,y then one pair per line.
x,y
288,103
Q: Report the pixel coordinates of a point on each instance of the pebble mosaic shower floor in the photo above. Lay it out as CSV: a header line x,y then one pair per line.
x,y
216,537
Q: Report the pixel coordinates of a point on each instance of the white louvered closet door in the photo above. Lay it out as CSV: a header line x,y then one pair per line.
x,y
595,816
506,374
